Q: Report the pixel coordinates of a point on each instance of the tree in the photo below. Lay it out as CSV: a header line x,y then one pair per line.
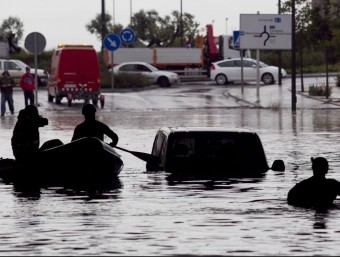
x,y
163,32
303,23
95,26
150,28
11,30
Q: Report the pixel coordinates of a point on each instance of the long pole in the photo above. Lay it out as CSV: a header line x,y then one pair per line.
x,y
181,24
130,12
280,53
103,24
293,59
36,68
114,13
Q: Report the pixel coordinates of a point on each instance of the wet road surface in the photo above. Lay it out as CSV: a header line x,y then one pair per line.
x,y
144,215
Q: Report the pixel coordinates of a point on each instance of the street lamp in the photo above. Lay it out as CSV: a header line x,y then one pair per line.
x,y
130,12
103,24
293,59
226,26
181,21
114,13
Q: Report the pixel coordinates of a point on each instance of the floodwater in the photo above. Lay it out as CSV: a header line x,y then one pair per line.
x,y
144,215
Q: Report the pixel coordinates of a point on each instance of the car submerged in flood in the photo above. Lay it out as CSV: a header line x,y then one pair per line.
x,y
211,153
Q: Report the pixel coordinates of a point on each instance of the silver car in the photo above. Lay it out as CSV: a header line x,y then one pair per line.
x,y
156,76
229,70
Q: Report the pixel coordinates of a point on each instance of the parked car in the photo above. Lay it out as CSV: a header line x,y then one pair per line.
x,y
210,153
229,70
17,68
156,76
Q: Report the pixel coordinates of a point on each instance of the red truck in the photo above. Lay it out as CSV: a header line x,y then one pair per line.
x,y
75,75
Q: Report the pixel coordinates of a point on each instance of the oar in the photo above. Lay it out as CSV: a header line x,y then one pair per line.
x,y
149,158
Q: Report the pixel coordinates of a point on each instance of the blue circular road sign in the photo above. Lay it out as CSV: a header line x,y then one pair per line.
x,y
112,42
127,36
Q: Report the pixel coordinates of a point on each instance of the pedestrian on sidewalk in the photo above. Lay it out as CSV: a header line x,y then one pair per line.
x,y
27,85
6,86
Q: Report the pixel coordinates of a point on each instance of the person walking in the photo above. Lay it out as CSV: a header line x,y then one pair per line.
x,y
91,127
316,191
6,85
28,86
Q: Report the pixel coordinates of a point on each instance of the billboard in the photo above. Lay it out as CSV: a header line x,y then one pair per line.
x,y
266,31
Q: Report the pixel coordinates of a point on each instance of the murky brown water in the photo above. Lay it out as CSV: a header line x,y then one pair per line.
x,y
146,216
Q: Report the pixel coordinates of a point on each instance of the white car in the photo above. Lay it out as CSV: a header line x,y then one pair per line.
x,y
17,68
156,76
229,70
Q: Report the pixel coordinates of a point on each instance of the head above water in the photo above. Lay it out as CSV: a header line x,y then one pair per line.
x,y
32,110
319,166
88,110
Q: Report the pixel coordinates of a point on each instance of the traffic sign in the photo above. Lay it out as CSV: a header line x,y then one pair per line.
x,y
127,36
266,31
112,42
236,37
35,42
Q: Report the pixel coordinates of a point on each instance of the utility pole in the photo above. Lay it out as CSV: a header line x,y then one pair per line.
x,y
293,59
280,53
181,21
103,24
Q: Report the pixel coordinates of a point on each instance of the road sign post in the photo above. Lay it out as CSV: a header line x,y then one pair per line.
x,y
127,36
112,43
35,43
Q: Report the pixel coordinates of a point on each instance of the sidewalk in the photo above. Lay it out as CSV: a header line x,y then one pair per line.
x,y
277,97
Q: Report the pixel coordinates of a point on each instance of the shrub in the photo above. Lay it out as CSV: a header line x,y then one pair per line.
x,y
319,90
124,80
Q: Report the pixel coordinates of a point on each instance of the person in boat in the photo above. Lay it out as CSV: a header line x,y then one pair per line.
x,y
316,191
91,127
26,138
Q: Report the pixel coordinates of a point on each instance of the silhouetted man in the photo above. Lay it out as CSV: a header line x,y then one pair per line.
x,y
92,127
316,191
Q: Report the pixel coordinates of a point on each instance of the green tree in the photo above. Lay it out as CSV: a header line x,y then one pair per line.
x,y
11,26
303,23
163,32
151,29
95,26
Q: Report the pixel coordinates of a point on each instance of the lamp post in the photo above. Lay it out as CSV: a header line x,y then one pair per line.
x,y
181,21
130,12
226,26
113,13
280,55
103,24
293,59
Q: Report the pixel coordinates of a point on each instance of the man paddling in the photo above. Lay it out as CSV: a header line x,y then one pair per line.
x,y
91,127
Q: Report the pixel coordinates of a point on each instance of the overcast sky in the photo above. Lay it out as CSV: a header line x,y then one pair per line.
x,y
63,21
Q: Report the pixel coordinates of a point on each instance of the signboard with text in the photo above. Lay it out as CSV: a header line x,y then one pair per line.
x,y
266,31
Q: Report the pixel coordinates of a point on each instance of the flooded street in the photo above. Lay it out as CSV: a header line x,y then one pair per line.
x,y
144,215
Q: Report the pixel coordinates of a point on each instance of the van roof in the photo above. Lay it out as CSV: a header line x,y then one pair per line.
x,y
64,46
206,129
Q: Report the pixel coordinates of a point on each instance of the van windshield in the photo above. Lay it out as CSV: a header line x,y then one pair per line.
x,y
236,150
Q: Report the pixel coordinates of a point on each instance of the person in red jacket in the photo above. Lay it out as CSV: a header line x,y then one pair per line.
x,y
27,85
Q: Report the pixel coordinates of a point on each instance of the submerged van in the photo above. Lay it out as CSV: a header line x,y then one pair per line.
x,y
75,75
210,153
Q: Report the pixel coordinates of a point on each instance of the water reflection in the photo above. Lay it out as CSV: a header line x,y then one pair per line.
x,y
110,190
148,216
